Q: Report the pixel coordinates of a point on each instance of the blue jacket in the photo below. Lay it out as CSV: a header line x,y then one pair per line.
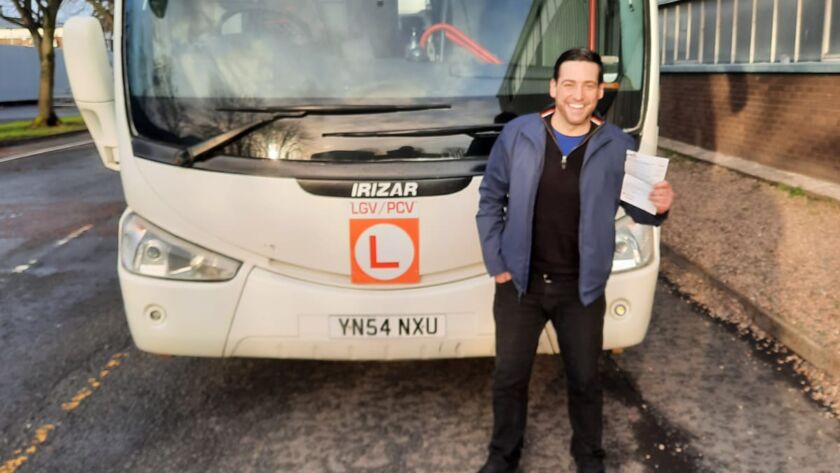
x,y
508,192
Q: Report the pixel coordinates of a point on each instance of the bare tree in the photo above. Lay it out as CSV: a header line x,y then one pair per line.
x,y
39,17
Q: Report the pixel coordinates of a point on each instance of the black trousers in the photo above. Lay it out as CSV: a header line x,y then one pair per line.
x,y
580,329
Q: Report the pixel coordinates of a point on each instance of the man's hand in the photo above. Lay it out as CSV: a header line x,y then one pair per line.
x,y
503,277
662,197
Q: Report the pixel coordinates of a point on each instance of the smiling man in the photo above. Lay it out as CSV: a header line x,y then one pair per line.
x,y
546,220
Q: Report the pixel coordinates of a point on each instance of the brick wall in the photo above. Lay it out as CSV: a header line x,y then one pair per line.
x,y
789,121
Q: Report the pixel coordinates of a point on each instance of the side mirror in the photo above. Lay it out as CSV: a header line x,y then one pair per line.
x,y
92,83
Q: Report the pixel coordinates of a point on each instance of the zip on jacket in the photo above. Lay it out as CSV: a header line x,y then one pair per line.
x,y
532,202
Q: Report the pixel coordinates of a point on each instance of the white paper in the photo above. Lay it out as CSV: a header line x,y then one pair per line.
x,y
641,172
650,169
637,192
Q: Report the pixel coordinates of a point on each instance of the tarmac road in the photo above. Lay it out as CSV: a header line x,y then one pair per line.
x,y
78,397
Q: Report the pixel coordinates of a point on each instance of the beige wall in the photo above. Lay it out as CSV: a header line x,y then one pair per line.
x,y
22,37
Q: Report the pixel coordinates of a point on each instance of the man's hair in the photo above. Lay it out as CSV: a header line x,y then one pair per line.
x,y
580,54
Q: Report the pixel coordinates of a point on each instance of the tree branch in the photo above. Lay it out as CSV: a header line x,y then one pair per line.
x,y
28,19
103,10
12,20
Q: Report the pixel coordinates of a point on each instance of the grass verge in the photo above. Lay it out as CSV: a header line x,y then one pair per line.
x,y
791,191
14,131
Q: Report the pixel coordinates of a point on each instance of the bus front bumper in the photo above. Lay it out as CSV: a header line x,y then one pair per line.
x,y
267,315
263,314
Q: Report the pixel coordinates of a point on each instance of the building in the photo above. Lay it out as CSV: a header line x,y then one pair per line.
x,y
13,35
758,79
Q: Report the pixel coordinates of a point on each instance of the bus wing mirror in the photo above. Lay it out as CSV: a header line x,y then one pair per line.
x,y
92,83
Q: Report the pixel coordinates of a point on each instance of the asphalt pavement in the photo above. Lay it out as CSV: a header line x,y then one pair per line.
x,y
695,396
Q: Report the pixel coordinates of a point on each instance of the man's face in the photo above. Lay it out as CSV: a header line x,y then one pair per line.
x,y
576,92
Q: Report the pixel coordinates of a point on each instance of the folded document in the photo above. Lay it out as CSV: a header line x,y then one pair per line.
x,y
641,172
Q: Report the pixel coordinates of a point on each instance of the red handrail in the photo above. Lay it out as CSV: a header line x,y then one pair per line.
x,y
461,39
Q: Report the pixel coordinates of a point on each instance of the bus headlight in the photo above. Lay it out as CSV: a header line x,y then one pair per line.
x,y
149,251
633,245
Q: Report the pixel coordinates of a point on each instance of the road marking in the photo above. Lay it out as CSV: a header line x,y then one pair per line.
x,y
24,454
41,435
75,234
51,149
21,268
83,394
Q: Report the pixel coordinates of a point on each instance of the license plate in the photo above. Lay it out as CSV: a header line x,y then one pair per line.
x,y
387,326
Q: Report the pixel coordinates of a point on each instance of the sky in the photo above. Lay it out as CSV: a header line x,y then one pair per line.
x,y
68,8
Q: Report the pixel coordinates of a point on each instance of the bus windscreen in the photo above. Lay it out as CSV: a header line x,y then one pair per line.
x,y
195,69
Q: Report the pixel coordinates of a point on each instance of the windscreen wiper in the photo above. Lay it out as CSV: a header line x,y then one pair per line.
x,y
345,109
200,150
472,130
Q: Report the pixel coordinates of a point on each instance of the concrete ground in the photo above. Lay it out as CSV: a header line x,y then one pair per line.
x,y
817,187
758,246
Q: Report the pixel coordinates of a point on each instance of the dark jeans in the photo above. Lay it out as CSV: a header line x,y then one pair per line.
x,y
580,332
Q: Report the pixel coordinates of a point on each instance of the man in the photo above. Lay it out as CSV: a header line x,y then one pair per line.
x,y
546,220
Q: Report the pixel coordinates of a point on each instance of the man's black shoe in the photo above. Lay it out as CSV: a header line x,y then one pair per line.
x,y
590,467
496,465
